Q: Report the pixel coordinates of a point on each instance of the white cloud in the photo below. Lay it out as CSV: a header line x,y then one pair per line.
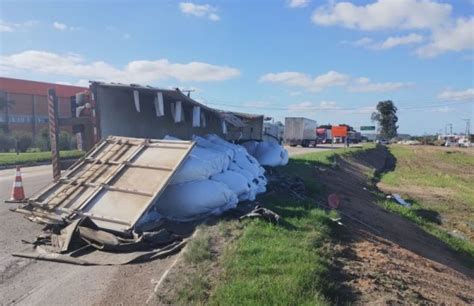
x,y
199,10
312,107
394,41
63,27
456,37
447,34
82,83
453,95
59,26
388,43
318,83
443,109
13,27
362,110
329,79
364,84
363,42
139,71
297,3
214,17
5,27
384,14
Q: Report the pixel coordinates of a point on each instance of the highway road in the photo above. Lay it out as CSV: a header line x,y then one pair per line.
x,y
27,282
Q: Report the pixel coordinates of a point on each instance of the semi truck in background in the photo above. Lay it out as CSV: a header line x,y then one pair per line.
x,y
300,131
324,134
354,137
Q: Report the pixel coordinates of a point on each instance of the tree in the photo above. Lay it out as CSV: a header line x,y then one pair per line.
x,y
5,106
386,116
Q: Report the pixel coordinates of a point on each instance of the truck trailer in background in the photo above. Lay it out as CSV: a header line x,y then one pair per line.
x,y
300,131
273,131
354,137
324,134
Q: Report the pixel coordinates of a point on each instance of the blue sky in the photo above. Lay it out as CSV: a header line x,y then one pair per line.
x,y
327,60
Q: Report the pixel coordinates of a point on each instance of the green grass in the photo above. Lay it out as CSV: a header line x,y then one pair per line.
x,y
198,250
197,255
286,264
325,158
461,246
440,183
289,263
303,165
34,157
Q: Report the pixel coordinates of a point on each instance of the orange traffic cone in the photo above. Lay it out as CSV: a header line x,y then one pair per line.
x,y
18,194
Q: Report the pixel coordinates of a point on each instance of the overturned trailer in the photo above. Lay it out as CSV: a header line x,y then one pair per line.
x,y
150,112
246,127
114,184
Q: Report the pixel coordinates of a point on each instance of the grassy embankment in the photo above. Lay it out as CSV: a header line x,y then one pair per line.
x,y
267,264
439,182
7,159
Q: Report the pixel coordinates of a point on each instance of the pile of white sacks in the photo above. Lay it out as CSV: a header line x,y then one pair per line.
x,y
215,177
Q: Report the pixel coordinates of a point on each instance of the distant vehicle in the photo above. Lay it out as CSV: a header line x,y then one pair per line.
x,y
273,131
323,135
464,142
354,137
300,131
382,141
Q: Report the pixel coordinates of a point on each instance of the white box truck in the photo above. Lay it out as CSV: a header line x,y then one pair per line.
x,y
300,131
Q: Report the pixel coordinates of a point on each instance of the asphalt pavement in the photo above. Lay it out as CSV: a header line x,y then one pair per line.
x,y
27,281
35,282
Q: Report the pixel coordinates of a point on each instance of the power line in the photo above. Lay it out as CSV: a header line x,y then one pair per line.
x,y
318,108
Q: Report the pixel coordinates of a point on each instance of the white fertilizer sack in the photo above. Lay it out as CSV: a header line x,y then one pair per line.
x,y
234,180
196,199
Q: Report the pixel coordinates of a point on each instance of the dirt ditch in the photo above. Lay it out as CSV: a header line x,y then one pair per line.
x,y
399,262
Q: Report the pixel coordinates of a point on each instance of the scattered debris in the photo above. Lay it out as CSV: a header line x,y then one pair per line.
x,y
262,213
334,201
82,242
337,221
285,184
400,200
457,234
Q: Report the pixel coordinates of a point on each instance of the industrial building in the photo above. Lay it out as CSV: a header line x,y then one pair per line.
x,y
27,109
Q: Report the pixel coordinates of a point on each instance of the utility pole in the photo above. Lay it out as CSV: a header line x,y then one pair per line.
x,y
450,128
468,131
468,127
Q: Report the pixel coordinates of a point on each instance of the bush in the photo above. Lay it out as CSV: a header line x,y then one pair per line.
x,y
42,140
65,141
24,141
7,143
